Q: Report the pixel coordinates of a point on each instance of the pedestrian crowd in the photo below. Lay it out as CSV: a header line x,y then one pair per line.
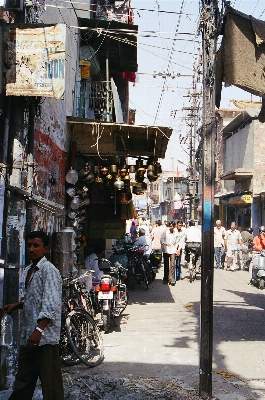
x,y
171,239
230,245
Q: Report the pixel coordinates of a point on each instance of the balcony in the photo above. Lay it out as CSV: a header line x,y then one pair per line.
x,y
111,10
95,101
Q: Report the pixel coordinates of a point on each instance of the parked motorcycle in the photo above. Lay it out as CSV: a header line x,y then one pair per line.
x,y
258,269
155,260
111,294
247,256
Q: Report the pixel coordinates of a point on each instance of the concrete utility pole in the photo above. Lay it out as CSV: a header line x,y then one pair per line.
x,y
209,18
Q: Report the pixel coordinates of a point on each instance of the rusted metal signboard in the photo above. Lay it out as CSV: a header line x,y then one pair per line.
x,y
36,61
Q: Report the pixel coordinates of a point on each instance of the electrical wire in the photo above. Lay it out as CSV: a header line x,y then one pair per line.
x,y
135,44
255,7
169,62
132,8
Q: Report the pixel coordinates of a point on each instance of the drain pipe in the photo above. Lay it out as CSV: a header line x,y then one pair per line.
x,y
30,166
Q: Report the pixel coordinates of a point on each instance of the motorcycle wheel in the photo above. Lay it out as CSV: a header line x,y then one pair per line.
x,y
261,284
84,337
106,321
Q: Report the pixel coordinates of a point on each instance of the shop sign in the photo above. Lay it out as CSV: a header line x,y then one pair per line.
x,y
247,198
241,200
36,60
85,72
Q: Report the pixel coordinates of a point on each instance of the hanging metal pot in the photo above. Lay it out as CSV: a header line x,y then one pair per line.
x,y
123,172
70,191
98,180
119,184
113,169
72,214
150,167
140,188
158,168
75,203
139,178
132,169
85,201
141,171
71,176
104,171
151,176
83,173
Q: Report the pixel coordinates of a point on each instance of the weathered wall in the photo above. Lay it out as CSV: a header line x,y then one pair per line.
x,y
259,159
239,149
50,168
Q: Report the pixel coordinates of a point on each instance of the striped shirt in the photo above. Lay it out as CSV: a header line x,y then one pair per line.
x,y
42,299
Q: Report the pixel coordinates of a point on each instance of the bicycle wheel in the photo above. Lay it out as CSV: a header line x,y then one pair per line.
x,y
67,355
85,338
192,268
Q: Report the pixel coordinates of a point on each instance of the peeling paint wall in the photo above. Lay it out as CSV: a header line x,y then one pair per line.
x,y
50,168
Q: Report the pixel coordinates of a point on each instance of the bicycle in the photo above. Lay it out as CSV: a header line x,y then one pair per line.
x,y
193,250
79,334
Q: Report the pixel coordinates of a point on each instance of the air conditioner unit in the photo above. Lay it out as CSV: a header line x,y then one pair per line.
x,y
12,4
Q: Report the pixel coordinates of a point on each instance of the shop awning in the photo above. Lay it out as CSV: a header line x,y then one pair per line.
x,y
117,39
238,174
94,138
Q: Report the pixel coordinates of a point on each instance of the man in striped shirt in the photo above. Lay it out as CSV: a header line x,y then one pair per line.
x,y
41,323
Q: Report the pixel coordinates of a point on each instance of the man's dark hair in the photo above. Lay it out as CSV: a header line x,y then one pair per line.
x,y
179,222
191,223
98,249
39,235
159,222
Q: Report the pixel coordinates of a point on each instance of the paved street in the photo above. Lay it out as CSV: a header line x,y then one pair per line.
x,y
158,336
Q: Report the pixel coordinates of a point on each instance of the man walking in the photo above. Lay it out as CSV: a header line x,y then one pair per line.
x,y
232,242
180,246
156,236
41,323
168,242
219,234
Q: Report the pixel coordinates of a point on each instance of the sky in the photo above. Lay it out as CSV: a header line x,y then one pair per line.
x,y
169,44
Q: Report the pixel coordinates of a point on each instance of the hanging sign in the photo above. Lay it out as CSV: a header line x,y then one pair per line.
x,y
85,72
247,198
36,61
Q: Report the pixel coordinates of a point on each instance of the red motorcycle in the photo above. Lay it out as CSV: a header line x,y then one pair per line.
x,y
111,293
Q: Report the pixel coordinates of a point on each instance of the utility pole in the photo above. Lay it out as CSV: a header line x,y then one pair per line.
x,y
209,18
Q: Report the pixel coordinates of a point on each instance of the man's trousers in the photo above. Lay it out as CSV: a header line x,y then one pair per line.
x,y
41,362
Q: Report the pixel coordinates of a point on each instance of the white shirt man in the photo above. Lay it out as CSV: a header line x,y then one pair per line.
x,y
168,244
219,234
232,241
193,234
156,236
91,262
